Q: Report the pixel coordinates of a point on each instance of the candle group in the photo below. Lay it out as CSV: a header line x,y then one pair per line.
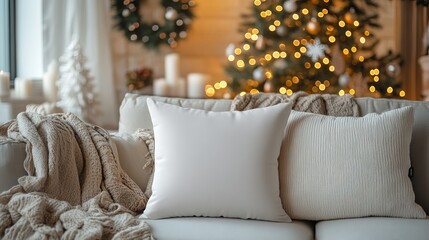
x,y
172,85
23,88
175,86
4,84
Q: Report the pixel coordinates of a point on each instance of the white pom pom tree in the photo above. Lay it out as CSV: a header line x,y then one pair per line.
x,y
76,86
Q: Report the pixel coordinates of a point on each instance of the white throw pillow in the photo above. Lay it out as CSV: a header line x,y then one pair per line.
x,y
347,167
132,153
217,164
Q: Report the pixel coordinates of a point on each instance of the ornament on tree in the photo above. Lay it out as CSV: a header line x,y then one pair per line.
x,y
171,14
280,64
313,26
344,80
230,49
290,6
316,50
350,16
281,30
260,43
393,69
268,87
339,5
125,12
76,86
259,74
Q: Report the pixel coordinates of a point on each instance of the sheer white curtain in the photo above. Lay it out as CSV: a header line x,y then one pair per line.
x,y
89,21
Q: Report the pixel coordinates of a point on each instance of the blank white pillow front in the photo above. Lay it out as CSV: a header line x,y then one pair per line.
x,y
217,163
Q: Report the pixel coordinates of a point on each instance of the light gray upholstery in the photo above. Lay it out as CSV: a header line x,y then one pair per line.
x,y
375,228
134,114
12,155
229,229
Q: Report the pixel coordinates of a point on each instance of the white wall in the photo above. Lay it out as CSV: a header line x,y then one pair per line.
x,y
29,57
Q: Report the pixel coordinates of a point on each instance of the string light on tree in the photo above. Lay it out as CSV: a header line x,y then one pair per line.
x,y
292,44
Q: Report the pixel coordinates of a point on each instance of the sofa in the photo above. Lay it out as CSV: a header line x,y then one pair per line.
x,y
134,114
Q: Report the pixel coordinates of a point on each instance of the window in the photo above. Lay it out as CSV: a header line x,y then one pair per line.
x,y
7,37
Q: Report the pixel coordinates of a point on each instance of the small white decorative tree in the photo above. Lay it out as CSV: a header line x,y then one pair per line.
x,y
76,86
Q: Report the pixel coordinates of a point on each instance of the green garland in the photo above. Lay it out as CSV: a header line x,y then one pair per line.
x,y
178,16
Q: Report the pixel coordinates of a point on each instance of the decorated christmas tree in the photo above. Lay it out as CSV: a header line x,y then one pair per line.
x,y
317,46
76,86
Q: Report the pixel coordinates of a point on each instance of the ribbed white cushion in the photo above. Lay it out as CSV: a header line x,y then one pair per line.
x,y
345,167
217,163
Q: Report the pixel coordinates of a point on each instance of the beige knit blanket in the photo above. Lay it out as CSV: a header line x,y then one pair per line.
x,y
75,188
326,104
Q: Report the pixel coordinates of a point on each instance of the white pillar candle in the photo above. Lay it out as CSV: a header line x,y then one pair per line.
x,y
180,88
49,82
196,85
4,84
23,87
172,68
160,87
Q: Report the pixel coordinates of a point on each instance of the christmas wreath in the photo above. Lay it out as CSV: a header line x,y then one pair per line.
x,y
177,18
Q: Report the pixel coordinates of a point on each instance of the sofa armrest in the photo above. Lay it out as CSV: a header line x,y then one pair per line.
x,y
12,155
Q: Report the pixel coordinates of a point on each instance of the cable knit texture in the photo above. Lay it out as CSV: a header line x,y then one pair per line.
x,y
75,188
146,135
326,104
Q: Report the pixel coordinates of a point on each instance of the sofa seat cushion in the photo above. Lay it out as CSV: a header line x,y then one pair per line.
x,y
373,228
198,228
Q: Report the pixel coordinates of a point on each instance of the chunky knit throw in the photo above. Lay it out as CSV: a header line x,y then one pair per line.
x,y
75,188
326,104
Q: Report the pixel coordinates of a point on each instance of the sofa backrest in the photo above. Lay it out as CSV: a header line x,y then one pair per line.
x,y
134,114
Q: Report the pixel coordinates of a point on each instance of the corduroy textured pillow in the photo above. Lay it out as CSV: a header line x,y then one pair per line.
x,y
346,167
217,164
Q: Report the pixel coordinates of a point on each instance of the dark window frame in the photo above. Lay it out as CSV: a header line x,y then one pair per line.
x,y
12,41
